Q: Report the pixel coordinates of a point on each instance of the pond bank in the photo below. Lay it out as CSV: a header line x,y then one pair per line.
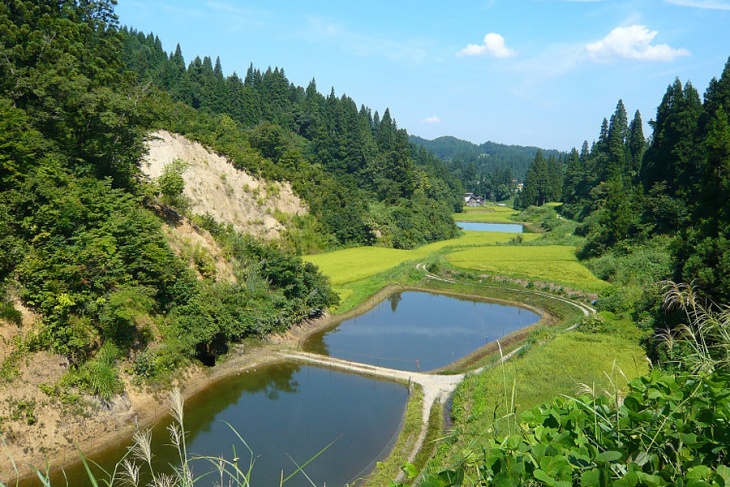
x,y
147,406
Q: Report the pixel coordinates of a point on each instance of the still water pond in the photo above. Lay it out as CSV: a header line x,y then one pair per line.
x,y
491,227
286,413
420,331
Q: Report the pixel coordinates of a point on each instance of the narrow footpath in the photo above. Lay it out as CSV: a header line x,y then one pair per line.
x,y
435,387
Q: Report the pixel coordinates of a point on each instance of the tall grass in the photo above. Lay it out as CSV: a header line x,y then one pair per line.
x,y
702,343
137,469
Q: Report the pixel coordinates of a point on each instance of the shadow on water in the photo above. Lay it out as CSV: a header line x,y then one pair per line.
x,y
286,414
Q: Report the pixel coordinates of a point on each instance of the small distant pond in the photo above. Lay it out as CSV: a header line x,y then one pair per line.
x,y
286,413
416,330
491,227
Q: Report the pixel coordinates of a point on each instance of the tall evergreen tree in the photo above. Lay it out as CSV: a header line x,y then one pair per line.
x,y
616,143
636,146
536,190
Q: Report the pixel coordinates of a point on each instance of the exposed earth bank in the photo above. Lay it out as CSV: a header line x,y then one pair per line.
x,y
41,423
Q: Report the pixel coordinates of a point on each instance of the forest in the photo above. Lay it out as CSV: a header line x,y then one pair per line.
x,y
489,170
663,194
80,230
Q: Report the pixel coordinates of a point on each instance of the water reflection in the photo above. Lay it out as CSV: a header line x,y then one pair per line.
x,y
420,331
491,227
394,300
286,414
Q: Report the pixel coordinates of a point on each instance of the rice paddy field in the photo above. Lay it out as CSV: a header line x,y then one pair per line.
x,y
358,273
487,214
552,263
351,265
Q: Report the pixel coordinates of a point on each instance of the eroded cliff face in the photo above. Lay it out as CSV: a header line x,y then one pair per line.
x,y
214,186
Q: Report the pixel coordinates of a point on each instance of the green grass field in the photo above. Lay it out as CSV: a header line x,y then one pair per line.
x,y
351,265
487,214
551,263
561,366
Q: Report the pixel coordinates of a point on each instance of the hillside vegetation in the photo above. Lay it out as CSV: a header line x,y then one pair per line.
x,y
489,170
363,182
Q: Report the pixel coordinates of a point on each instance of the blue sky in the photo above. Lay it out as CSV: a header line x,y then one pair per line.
x,y
527,72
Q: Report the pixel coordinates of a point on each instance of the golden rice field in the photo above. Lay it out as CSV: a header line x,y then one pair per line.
x,y
551,263
350,265
487,214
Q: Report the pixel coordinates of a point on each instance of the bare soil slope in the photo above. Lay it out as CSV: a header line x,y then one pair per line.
x,y
215,187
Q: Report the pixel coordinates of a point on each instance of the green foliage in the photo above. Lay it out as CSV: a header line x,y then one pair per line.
x,y
172,184
9,313
543,183
667,430
339,159
77,237
489,170
98,377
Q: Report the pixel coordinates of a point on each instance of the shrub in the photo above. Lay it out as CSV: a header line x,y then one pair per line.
x,y
9,313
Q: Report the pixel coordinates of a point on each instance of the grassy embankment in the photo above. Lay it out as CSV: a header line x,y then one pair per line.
x,y
553,363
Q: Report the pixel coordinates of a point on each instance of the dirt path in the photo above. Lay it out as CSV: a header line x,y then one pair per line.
x,y
435,387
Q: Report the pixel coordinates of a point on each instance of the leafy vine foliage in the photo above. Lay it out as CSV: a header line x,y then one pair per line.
x,y
668,430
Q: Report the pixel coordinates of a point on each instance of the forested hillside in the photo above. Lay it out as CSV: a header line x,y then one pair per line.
x,y
364,182
661,199
81,242
489,170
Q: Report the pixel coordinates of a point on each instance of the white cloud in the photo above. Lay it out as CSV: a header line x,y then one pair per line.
x,y
492,46
707,4
632,42
433,119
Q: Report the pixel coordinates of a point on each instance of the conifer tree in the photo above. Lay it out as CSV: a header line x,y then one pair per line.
x,y
636,145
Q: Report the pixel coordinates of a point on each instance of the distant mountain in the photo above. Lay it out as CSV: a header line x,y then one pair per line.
x,y
487,156
489,170
447,147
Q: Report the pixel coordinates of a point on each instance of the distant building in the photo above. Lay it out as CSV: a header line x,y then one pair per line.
x,y
471,200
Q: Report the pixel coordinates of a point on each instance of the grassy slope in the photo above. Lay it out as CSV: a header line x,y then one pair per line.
x,y
602,361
